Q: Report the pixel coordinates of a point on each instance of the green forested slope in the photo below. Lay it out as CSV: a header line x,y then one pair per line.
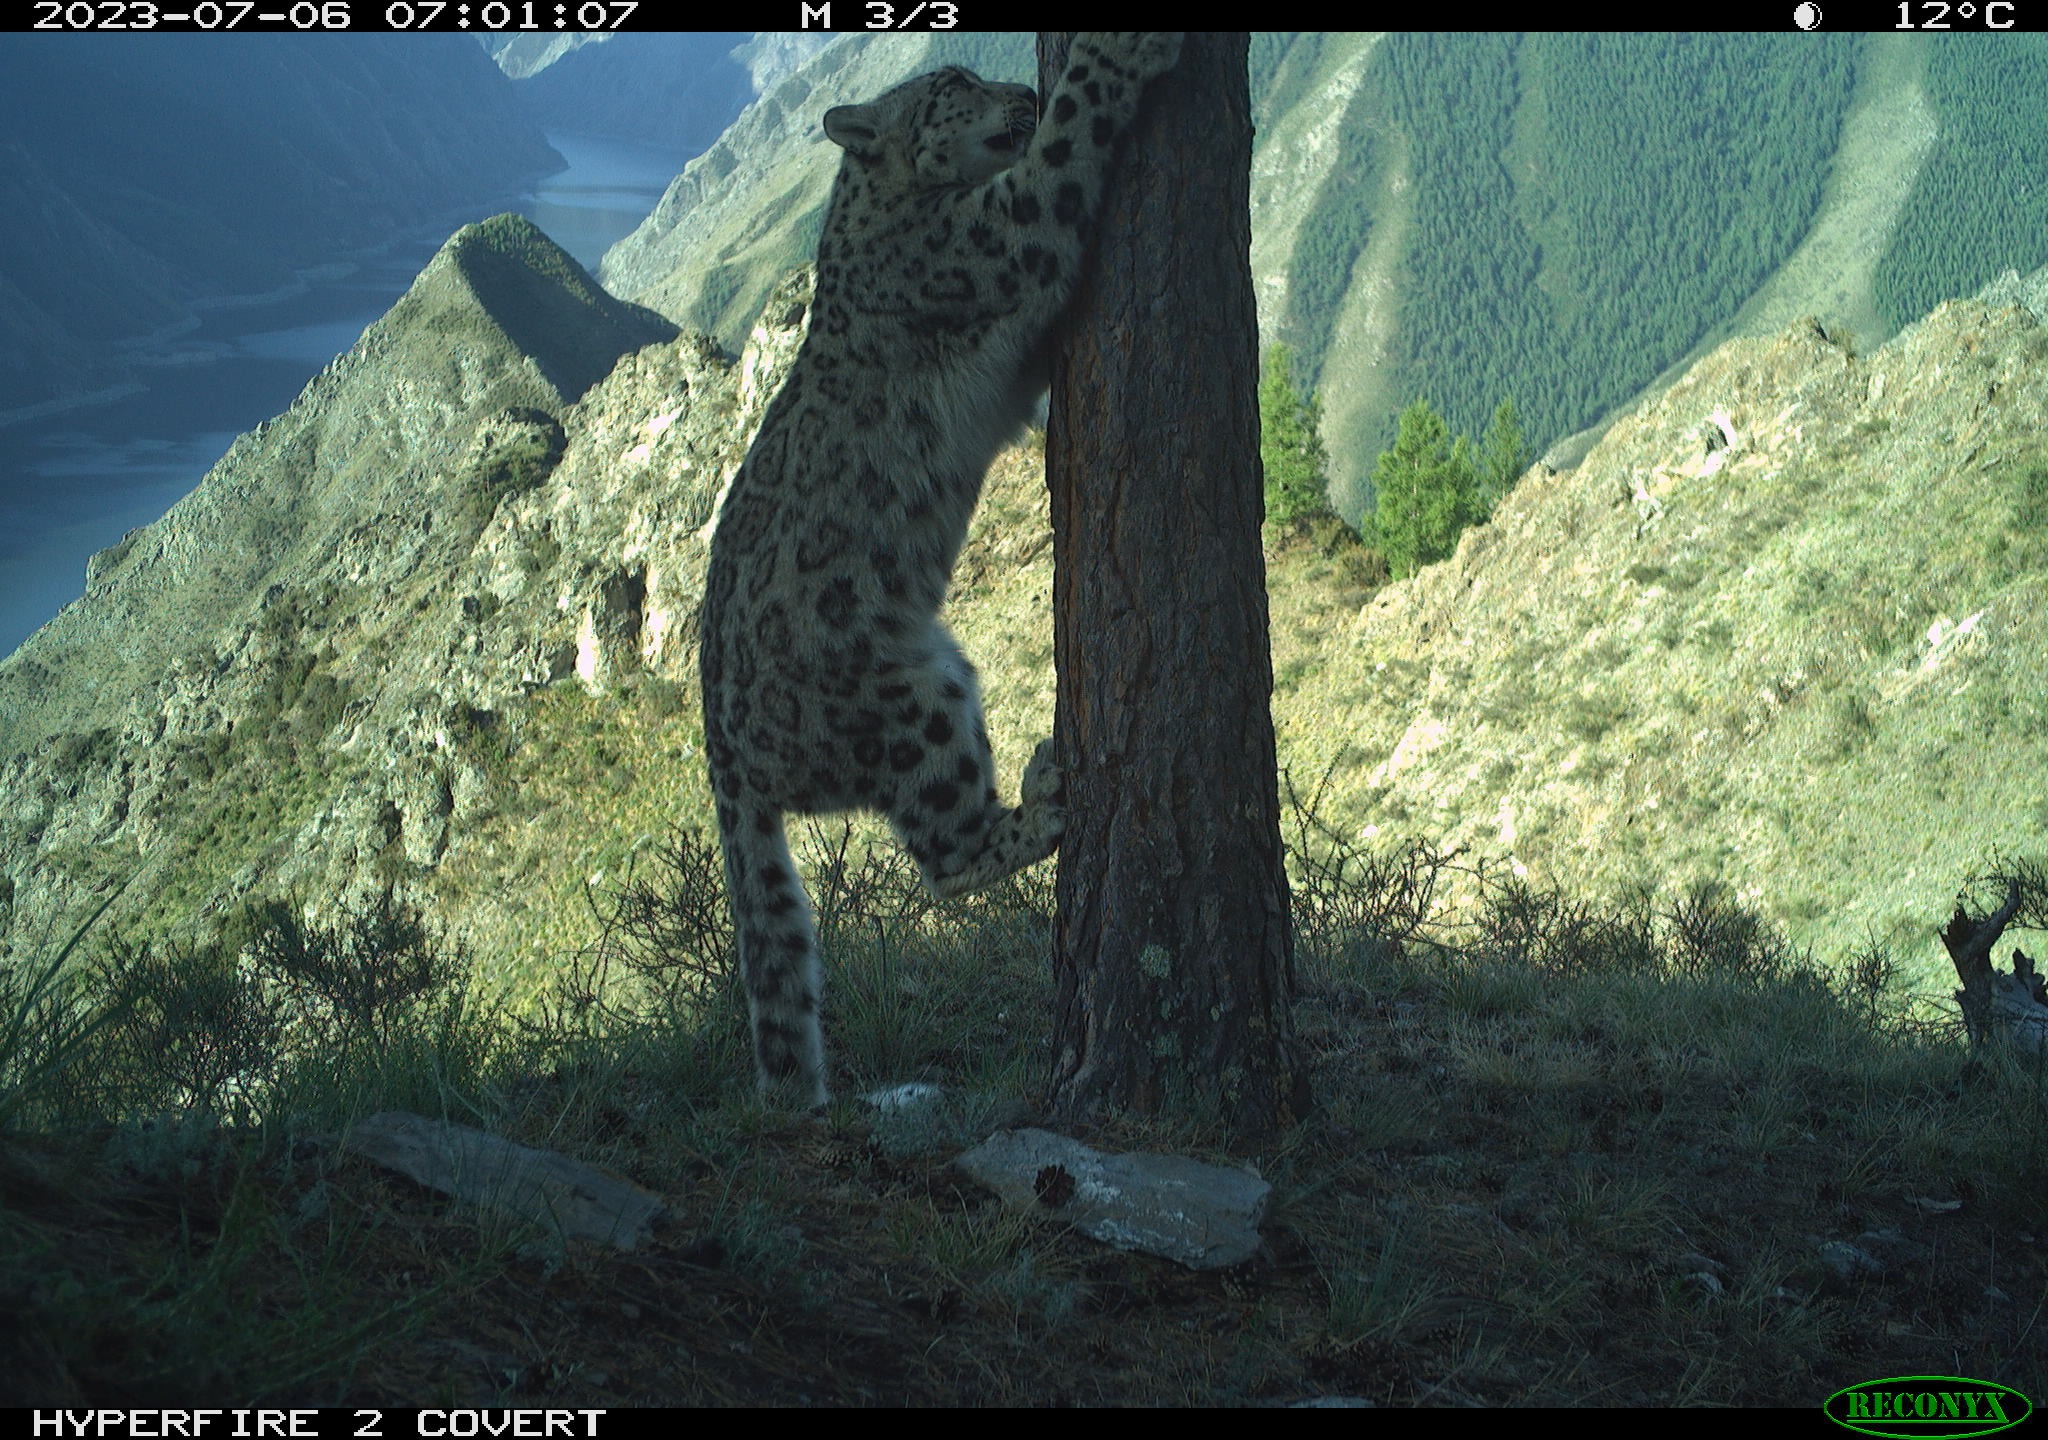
x,y
1334,234
1472,266
1981,204
1587,206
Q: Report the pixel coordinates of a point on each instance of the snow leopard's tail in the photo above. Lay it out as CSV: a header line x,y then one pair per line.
x,y
778,954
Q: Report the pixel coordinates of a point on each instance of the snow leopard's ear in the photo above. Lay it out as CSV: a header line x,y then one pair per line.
x,y
852,128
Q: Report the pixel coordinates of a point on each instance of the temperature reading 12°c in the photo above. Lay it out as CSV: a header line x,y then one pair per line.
x,y
1956,15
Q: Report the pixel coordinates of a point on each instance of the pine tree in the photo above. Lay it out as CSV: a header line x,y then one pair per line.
x,y
1428,488
1172,951
1503,457
1290,444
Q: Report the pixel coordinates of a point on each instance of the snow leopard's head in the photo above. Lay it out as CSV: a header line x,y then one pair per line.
x,y
950,127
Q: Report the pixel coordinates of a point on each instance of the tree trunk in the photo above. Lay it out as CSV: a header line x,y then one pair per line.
x,y
1995,1006
1173,954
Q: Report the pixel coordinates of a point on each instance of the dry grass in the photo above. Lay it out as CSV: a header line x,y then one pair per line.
x,y
1561,1156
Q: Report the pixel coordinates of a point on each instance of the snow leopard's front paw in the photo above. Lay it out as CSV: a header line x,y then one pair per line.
x,y
1044,794
1146,52
1158,52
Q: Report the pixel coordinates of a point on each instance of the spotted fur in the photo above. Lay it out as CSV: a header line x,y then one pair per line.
x,y
955,232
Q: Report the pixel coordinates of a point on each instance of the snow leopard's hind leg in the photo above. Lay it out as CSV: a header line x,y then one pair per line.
x,y
778,955
945,809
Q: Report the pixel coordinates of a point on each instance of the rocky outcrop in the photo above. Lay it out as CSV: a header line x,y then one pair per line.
x,y
361,483
334,620
1203,1216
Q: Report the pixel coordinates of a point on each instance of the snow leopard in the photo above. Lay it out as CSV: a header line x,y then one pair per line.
x,y
953,237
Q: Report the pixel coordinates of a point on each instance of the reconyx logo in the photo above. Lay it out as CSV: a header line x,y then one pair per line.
x,y
1911,1406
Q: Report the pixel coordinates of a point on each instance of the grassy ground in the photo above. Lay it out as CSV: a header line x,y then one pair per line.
x,y
1560,1156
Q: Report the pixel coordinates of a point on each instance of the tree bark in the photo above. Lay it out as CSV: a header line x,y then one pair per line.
x,y
2010,1007
1173,953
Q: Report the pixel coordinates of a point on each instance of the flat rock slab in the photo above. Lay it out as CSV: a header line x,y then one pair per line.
x,y
1203,1216
580,1201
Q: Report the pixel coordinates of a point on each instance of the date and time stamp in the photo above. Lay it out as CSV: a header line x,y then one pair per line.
x,y
511,16
456,15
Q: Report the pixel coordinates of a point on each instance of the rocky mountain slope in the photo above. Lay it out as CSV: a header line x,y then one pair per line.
x,y
1782,630
294,678
432,630
142,176
362,478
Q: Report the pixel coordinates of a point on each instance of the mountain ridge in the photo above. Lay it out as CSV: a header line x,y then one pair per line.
x,y
353,451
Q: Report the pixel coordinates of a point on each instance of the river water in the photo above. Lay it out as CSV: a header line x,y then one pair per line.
x,y
74,483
